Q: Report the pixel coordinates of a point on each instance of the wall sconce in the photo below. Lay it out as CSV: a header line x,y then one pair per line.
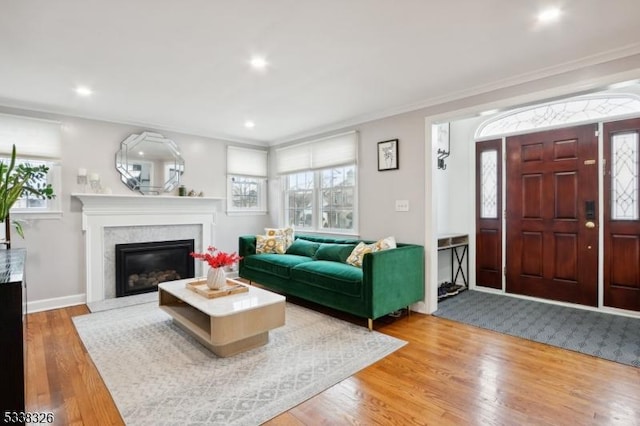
x,y
443,142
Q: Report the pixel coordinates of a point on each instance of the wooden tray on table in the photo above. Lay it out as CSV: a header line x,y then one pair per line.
x,y
200,286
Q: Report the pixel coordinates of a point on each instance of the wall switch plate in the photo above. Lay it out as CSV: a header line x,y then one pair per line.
x,y
402,205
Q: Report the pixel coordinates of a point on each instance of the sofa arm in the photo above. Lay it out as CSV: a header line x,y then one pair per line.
x,y
246,245
393,279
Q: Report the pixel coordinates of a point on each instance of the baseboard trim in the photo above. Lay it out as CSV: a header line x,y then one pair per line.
x,y
55,303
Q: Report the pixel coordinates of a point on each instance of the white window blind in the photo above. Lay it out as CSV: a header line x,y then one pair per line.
x,y
332,151
246,162
33,138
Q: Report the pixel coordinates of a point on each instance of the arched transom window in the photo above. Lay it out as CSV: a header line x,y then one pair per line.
x,y
584,109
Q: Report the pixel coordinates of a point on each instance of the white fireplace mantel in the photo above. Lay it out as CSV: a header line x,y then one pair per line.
x,y
100,211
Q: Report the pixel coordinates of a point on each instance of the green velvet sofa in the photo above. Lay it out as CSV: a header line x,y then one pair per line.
x,y
317,271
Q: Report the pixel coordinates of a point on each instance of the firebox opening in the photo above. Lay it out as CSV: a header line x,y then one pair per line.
x,y
140,267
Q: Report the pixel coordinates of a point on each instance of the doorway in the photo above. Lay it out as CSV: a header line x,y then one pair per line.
x,y
551,215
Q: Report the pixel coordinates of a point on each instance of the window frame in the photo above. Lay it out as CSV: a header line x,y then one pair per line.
x,y
52,208
317,204
260,209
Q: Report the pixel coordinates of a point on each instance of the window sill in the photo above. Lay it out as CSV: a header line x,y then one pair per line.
x,y
44,215
336,233
247,212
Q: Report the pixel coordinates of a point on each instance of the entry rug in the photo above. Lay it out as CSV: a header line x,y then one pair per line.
x,y
159,375
607,336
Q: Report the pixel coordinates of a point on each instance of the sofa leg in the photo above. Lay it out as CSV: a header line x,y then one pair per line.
x,y
370,324
408,311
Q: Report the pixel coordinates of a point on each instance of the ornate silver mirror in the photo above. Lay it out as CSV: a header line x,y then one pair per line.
x,y
149,163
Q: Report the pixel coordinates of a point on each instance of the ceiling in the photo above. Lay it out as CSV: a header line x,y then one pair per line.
x,y
184,66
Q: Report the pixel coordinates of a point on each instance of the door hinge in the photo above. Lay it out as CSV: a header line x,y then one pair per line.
x,y
504,271
596,133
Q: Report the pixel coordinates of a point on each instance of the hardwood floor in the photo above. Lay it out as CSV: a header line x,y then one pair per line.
x,y
448,373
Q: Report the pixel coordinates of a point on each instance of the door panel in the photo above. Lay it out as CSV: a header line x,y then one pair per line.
x,y
551,253
489,214
622,218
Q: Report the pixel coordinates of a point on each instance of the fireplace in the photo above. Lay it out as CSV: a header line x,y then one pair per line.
x,y
140,267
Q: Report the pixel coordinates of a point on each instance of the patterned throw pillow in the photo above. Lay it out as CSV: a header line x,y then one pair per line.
x,y
356,256
286,233
385,243
267,244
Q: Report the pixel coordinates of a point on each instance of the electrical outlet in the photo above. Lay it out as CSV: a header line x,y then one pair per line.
x,y
402,205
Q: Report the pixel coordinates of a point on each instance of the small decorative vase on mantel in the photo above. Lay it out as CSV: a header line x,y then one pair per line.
x,y
216,278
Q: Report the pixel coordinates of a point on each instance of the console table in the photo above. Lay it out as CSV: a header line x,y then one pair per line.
x,y
12,330
459,246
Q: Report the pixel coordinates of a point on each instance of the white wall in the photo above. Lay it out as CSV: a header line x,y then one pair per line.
x,y
378,190
55,259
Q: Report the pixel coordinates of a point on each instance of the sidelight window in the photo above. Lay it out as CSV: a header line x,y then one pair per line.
x,y
489,185
624,173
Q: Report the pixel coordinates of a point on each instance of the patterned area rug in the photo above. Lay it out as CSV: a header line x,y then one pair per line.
x,y
607,336
159,375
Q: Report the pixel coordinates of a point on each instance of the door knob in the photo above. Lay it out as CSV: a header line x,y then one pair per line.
x,y
590,225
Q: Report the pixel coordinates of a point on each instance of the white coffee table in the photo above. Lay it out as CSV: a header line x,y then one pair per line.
x,y
225,325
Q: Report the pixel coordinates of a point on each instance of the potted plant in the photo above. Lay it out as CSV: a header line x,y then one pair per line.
x,y
17,181
217,260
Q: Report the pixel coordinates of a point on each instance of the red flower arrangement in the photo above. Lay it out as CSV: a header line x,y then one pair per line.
x,y
216,258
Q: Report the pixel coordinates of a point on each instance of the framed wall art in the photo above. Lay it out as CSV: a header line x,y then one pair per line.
x,y
388,155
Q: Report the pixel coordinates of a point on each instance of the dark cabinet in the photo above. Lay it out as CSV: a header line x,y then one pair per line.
x,y
12,331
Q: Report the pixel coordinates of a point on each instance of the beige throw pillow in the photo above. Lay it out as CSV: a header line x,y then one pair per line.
x,y
286,233
356,256
267,244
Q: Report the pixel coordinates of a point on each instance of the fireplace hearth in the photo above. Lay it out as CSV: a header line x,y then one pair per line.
x,y
140,267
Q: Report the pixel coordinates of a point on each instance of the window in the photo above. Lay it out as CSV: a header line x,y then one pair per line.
x,y
321,199
320,184
30,204
37,142
589,108
246,180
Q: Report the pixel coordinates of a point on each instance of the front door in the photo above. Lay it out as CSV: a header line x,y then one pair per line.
x,y
551,215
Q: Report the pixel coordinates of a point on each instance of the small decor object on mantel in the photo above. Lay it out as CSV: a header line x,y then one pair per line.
x,y
217,260
388,155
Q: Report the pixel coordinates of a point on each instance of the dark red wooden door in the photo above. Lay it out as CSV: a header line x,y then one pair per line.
x,y
621,215
489,214
551,215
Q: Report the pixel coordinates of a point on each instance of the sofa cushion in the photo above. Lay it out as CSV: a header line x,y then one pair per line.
x,y
323,239
270,244
303,247
286,233
386,243
334,252
275,264
333,276
357,255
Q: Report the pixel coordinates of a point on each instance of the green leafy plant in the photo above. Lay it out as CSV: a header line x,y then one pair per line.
x,y
19,180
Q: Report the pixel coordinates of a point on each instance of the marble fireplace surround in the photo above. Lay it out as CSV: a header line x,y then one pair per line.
x,y
112,219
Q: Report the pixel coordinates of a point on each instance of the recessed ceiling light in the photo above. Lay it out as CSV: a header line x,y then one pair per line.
x,y
488,112
141,153
258,63
549,15
84,91
249,124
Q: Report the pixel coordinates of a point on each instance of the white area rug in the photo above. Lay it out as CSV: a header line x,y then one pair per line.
x,y
159,375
